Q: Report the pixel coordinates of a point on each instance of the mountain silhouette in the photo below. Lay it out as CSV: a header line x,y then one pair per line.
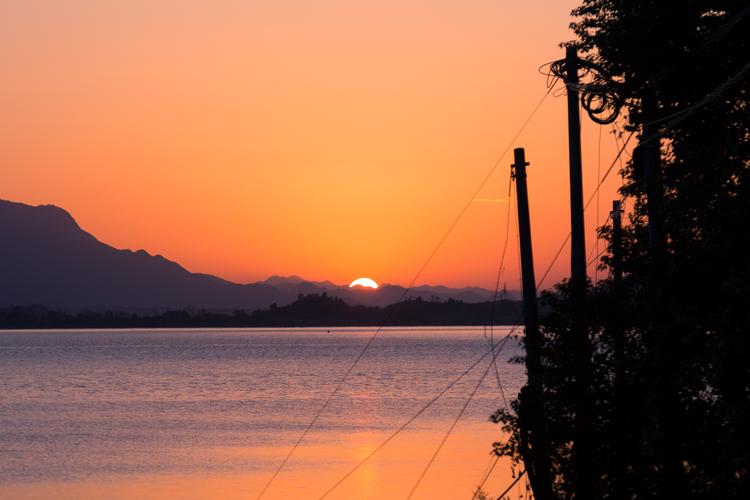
x,y
47,259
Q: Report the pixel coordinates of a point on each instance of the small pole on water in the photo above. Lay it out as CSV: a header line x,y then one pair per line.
x,y
582,441
534,445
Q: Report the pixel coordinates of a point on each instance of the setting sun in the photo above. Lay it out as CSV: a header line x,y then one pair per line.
x,y
365,282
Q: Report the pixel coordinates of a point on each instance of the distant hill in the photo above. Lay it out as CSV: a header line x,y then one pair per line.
x,y
47,259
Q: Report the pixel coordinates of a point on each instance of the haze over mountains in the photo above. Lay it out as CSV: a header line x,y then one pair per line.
x,y
47,259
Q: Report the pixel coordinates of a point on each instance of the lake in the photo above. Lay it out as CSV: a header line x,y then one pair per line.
x,y
210,413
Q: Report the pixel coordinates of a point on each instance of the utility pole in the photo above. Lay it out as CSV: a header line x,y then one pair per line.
x,y
619,340
583,448
617,244
619,334
535,442
578,235
620,406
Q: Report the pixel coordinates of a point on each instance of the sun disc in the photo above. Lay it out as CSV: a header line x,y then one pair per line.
x,y
364,282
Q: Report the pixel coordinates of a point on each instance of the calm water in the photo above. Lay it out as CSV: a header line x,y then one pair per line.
x,y
210,413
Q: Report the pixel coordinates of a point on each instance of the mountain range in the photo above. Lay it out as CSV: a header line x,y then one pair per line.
x,y
47,259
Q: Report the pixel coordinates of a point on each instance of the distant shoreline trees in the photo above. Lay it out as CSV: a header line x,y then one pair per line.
x,y
307,311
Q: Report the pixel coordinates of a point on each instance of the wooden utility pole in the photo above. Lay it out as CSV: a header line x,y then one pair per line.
x,y
535,444
578,235
583,448
617,244
619,340
618,332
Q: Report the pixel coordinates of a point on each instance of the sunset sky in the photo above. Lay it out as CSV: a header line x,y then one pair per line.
x,y
330,139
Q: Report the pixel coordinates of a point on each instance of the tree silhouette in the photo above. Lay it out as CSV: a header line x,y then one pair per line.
x,y
672,413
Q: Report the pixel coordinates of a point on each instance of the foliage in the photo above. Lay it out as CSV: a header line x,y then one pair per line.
x,y
480,494
308,310
671,413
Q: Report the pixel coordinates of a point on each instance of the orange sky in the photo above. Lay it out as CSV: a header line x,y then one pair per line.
x,y
330,139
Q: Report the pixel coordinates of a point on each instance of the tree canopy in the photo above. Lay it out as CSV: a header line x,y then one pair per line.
x,y
671,378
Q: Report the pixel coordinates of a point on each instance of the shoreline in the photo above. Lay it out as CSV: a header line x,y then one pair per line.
x,y
4,328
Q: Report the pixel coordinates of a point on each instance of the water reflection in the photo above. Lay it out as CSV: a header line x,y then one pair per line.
x,y
210,413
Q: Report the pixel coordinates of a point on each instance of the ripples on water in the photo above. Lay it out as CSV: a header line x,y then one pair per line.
x,y
88,412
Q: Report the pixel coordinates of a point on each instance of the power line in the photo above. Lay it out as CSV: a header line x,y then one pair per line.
x,y
678,116
505,492
471,396
426,263
723,30
496,458
728,25
567,238
497,284
413,281
609,170
497,375
557,255
406,424
448,433
403,296
596,258
672,120
491,466
595,246
500,345
450,430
